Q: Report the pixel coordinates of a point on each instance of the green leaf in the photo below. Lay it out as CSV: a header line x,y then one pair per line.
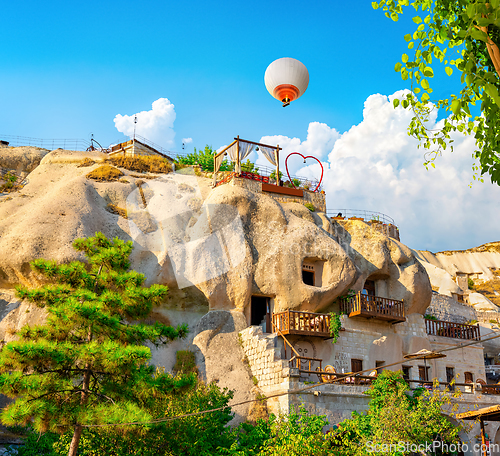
x,y
456,106
424,83
410,45
397,67
479,35
492,91
428,72
374,5
404,58
394,17
425,97
408,37
395,102
449,71
417,20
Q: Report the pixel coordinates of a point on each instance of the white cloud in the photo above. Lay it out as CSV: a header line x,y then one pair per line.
x,y
156,125
376,166
187,140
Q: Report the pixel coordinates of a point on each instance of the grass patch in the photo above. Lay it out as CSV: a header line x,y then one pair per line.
x,y
86,162
10,184
117,210
105,173
185,362
143,163
490,289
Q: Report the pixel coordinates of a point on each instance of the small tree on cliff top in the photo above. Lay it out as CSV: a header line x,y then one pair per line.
x,y
87,364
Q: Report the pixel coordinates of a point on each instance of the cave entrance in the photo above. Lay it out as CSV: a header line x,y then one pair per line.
x,y
260,312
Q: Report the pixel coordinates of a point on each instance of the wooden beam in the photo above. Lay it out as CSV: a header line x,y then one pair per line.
x,y
258,144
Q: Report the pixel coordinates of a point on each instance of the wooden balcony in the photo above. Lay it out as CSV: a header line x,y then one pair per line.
x,y
366,306
302,323
450,329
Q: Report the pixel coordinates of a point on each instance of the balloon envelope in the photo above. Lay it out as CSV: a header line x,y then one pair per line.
x,y
286,79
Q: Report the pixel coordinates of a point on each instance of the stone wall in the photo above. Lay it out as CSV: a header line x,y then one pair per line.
x,y
448,309
264,357
317,199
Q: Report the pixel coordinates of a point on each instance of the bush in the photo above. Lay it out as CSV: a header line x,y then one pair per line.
x,y
204,158
272,176
10,182
35,444
470,283
198,435
105,173
249,167
143,163
185,362
310,206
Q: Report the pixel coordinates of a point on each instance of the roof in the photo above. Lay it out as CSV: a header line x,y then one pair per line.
x,y
490,413
126,144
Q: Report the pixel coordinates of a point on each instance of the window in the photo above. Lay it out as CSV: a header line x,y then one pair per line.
x,y
450,376
423,373
406,373
378,366
356,365
469,378
308,277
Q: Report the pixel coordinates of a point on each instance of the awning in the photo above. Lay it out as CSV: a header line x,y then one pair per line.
x,y
487,413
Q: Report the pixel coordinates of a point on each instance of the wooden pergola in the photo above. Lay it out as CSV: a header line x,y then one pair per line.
x,y
487,413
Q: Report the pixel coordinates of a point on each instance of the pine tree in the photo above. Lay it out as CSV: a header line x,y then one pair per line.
x,y
88,363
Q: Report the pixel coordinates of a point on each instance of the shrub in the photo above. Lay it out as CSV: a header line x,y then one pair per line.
x,y
185,362
272,176
10,182
470,283
105,173
204,158
143,163
249,167
35,444
310,206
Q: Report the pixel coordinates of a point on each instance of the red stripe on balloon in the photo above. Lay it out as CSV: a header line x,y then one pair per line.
x,y
284,91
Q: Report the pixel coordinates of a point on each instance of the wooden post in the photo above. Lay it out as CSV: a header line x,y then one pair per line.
x,y
238,165
483,438
277,155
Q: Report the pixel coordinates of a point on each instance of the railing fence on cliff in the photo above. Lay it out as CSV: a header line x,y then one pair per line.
x,y
361,213
51,144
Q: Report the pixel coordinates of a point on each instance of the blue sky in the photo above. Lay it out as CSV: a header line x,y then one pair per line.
x,y
69,68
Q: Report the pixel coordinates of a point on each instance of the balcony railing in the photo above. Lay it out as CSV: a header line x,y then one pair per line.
x,y
302,323
373,307
451,329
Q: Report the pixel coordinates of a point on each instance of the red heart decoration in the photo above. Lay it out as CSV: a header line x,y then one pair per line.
x,y
308,156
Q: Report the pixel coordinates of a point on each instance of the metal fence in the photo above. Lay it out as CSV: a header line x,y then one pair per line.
x,y
51,144
364,214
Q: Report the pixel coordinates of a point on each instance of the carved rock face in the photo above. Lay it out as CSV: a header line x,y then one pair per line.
x,y
212,247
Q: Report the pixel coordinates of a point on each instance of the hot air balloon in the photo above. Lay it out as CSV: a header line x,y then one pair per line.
x,y
286,79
